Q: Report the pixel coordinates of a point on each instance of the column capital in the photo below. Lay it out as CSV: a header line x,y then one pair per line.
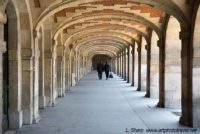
x,y
132,51
37,34
147,47
3,18
160,43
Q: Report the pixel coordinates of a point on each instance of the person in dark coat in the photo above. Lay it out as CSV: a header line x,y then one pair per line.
x,y
100,69
106,69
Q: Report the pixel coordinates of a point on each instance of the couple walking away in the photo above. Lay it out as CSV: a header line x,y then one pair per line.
x,y
101,68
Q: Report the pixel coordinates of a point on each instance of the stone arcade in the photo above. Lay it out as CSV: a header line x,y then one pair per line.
x,y
47,46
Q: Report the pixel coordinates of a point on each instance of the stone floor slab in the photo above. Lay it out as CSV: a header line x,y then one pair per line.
x,y
103,107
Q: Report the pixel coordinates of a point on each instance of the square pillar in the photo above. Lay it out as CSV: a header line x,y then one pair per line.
x,y
133,65
186,78
148,48
161,45
139,67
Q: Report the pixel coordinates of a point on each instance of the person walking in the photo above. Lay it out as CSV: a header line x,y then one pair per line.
x,y
100,69
107,70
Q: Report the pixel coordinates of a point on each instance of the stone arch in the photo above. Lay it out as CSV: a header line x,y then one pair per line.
x,y
25,40
13,66
173,65
196,67
97,58
24,52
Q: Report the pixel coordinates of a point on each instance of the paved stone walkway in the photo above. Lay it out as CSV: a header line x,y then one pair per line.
x,y
102,107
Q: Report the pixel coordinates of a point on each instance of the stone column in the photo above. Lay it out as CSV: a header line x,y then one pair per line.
x,y
41,74
54,72
48,63
27,85
186,78
139,67
115,61
36,116
148,48
118,64
133,65
59,71
14,68
48,77
125,64
161,45
122,65
63,73
128,64
2,50
67,82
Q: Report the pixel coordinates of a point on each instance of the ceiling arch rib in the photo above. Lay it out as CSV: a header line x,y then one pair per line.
x,y
93,51
116,43
113,47
102,34
120,16
165,5
111,25
87,48
92,54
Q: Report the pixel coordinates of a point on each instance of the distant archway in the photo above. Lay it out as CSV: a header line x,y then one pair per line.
x,y
97,58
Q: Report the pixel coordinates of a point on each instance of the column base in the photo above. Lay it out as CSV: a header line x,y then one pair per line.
x,y
160,105
63,94
42,102
59,92
138,89
54,103
133,84
36,119
185,121
48,102
15,120
147,95
27,116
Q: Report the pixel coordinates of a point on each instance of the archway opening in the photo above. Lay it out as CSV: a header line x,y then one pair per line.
x,y
154,76
173,66
143,65
12,110
100,57
196,71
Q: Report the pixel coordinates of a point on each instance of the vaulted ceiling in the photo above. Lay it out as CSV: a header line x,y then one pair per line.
x,y
106,26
